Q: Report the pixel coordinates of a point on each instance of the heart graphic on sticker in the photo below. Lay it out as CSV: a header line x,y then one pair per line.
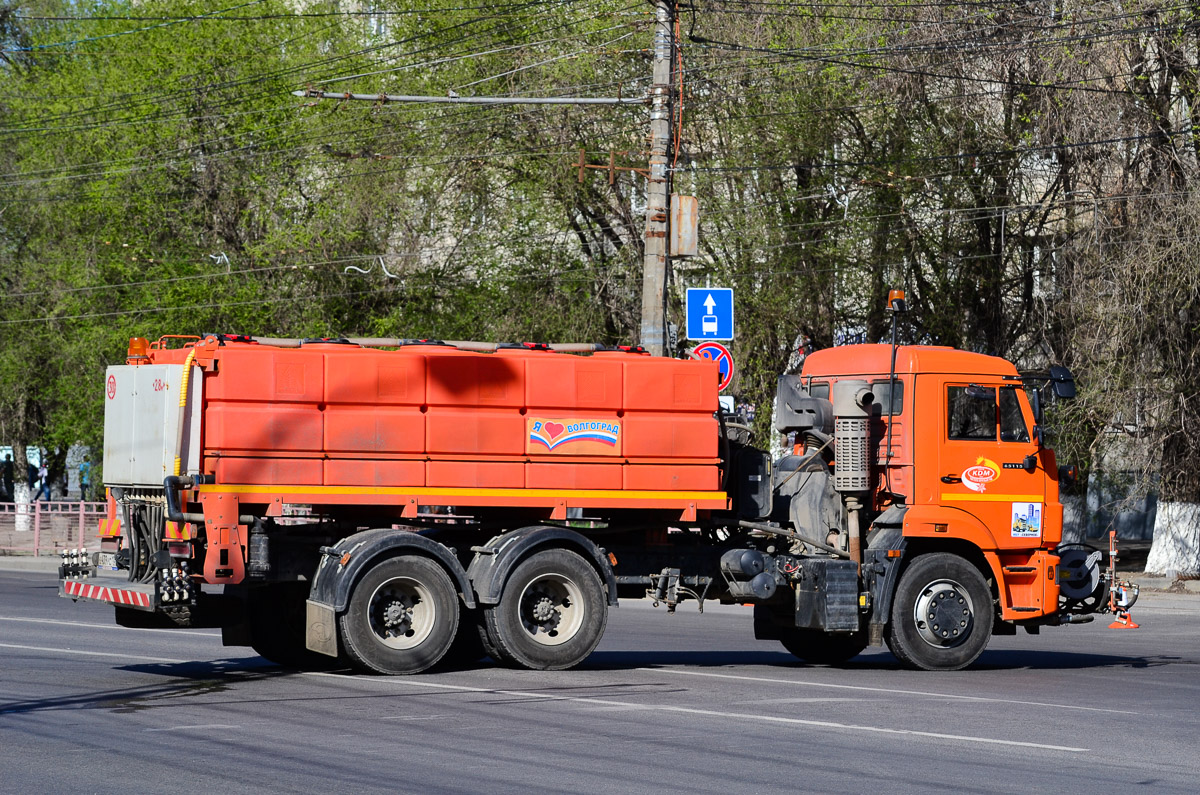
x,y
554,429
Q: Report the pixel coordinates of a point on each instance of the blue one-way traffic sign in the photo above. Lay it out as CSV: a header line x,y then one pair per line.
x,y
710,313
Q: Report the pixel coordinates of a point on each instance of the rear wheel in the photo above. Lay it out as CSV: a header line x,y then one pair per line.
x,y
551,615
816,646
467,647
402,616
942,614
275,616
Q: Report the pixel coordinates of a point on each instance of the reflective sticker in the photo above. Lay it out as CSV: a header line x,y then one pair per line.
x,y
1027,520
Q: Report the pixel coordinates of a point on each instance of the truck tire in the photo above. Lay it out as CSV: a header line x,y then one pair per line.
x,y
402,616
817,646
942,614
275,617
467,647
551,614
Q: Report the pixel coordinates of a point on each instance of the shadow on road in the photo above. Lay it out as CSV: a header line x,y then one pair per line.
x,y
219,677
201,678
873,661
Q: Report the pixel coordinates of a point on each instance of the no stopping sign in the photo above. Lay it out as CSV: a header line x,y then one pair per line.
x,y
716,352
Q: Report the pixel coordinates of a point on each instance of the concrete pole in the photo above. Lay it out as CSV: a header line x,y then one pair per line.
x,y
658,190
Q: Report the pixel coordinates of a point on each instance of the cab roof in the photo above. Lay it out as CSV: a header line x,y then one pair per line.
x,y
874,360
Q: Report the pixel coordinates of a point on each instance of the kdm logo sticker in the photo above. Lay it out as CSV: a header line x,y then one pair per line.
x,y
978,476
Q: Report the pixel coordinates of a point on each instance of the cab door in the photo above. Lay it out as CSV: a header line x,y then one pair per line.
x,y
989,461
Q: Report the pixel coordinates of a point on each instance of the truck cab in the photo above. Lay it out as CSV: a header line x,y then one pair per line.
x,y
955,455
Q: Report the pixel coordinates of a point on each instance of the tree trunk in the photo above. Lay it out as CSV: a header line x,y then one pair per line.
x,y
22,494
1176,547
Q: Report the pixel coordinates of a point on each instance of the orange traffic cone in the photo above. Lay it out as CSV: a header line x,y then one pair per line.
x,y
1124,621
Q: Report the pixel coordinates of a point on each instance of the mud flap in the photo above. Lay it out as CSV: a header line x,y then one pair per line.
x,y
320,633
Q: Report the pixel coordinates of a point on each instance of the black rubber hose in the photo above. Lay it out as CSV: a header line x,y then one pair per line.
x,y
171,485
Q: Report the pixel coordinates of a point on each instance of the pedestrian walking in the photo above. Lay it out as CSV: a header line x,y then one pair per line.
x,y
43,482
85,478
6,478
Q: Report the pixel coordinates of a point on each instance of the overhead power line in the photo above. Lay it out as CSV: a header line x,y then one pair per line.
x,y
457,100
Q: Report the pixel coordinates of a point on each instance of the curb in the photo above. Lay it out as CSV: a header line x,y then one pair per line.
x,y
1165,584
44,564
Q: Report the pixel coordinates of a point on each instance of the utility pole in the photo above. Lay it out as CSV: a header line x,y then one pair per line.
x,y
658,189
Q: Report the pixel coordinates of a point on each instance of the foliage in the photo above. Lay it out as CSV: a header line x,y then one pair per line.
x,y
997,161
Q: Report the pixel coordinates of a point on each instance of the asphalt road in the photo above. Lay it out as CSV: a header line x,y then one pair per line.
x,y
670,703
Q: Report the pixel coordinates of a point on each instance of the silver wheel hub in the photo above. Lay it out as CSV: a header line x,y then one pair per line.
x,y
552,609
944,614
401,613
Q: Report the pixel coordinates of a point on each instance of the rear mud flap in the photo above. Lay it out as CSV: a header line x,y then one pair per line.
x,y
320,633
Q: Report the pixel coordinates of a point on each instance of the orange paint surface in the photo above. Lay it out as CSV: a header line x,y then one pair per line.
x,y
432,416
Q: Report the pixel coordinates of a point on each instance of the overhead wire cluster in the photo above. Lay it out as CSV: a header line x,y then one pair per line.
x,y
954,43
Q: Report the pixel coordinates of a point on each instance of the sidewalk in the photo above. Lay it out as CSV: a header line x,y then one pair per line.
x,y
46,564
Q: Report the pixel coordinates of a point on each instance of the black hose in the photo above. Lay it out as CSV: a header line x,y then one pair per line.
x,y
171,485
174,483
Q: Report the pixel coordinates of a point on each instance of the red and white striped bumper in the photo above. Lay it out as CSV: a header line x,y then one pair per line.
x,y
80,589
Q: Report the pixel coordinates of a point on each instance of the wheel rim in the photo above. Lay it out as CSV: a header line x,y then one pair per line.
x,y
551,609
944,614
401,613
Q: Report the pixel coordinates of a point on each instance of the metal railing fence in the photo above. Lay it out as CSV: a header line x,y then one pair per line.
x,y
44,528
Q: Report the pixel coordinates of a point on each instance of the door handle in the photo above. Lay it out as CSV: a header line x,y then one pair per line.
x,y
951,479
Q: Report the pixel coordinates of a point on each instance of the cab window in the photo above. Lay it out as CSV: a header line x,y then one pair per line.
x,y
819,389
1012,421
971,413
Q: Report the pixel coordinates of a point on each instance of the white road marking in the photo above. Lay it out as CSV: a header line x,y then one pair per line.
x,y
891,691
823,724
816,700
92,653
193,633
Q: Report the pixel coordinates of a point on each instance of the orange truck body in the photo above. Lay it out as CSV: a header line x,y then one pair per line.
x,y
433,418
211,446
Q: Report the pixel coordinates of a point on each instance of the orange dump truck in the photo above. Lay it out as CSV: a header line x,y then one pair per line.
x,y
394,503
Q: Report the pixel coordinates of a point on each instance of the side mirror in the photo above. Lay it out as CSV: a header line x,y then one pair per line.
x,y
1035,402
1062,381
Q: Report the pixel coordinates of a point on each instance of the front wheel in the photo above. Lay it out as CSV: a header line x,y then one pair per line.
x,y
942,614
402,616
551,615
